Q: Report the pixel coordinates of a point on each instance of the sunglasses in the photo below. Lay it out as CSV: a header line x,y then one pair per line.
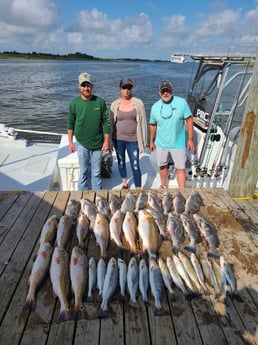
x,y
86,84
165,91
127,87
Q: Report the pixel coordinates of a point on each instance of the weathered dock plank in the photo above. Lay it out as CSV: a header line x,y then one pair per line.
x,y
204,320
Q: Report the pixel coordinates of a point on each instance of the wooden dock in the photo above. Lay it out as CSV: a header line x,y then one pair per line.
x,y
204,320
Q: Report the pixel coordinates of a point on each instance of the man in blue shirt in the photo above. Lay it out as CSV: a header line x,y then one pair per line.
x,y
169,119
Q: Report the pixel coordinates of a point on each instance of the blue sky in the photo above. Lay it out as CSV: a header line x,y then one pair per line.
x,y
133,28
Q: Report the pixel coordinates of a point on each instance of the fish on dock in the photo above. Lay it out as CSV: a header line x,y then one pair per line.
x,y
82,229
129,228
78,277
59,275
63,232
101,232
129,202
192,232
197,267
48,231
115,227
144,280
39,271
210,276
157,287
228,277
190,270
167,279
178,202
160,220
154,201
148,233
72,210
133,282
167,203
102,206
101,271
178,281
109,288
208,232
175,230
141,201
193,202
122,268
92,278
89,208
114,203
182,270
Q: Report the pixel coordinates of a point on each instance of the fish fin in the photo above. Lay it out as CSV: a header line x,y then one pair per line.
x,y
160,312
190,249
134,305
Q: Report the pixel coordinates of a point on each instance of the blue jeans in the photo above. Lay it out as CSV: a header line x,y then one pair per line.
x,y
132,149
90,165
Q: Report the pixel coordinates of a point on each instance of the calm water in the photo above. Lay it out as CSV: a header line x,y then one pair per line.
x,y
36,94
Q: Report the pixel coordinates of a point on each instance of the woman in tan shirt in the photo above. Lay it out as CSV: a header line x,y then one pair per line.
x,y
129,131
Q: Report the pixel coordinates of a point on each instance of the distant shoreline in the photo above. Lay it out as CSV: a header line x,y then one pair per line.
x,y
73,56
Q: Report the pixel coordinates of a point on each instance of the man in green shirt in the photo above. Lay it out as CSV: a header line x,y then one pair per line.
x,y
89,122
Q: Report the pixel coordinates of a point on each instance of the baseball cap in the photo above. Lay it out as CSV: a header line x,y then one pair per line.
x,y
84,77
165,84
126,81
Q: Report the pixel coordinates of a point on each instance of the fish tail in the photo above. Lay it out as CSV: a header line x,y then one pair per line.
x,y
235,296
160,312
29,304
175,250
64,315
99,298
146,303
133,304
213,255
89,299
191,295
122,297
103,314
190,249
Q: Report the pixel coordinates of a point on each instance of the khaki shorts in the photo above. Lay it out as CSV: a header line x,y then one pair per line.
x,y
178,156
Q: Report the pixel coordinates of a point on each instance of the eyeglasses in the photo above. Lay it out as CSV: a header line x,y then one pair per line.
x,y
165,90
86,84
170,115
127,87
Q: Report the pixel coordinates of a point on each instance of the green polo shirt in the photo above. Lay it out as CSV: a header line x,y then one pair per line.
x,y
89,119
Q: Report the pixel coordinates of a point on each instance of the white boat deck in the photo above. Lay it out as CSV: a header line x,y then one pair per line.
x,y
44,166
28,167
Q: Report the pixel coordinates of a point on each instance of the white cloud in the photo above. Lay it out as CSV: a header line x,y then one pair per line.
x,y
175,25
218,24
28,13
34,25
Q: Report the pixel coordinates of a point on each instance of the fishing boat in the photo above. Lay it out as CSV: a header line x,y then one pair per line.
x,y
31,160
178,58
